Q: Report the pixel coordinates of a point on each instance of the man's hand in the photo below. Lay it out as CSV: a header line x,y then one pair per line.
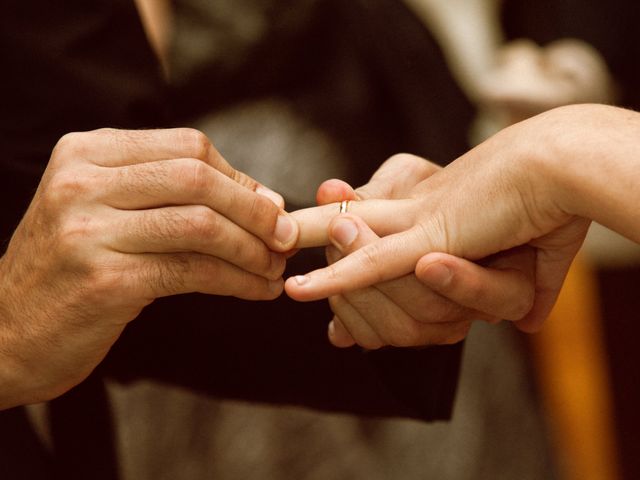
x,y
404,311
121,218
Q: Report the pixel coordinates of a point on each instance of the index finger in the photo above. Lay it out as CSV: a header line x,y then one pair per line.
x,y
384,217
108,147
388,258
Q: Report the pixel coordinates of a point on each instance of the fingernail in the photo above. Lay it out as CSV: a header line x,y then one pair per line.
x,y
332,330
438,275
284,229
301,279
344,232
271,195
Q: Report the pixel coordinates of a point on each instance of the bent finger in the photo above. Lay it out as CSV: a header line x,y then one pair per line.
x,y
356,326
388,258
349,233
506,293
188,181
110,147
334,190
338,335
393,180
193,228
397,176
552,269
155,275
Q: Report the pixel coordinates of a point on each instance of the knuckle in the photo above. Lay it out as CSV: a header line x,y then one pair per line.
x,y
66,186
369,257
204,223
412,164
112,134
244,179
74,233
196,143
404,160
107,285
264,213
69,145
194,176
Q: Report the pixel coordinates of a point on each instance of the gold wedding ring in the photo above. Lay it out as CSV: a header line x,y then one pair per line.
x,y
344,206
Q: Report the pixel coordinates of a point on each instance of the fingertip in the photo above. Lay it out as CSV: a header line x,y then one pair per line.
x,y
343,231
349,232
338,335
286,232
295,288
334,190
434,271
428,259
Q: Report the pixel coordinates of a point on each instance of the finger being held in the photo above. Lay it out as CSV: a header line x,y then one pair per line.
x,y
402,312
505,289
383,216
188,181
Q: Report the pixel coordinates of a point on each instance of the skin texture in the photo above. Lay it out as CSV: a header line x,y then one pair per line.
x,y
535,185
121,218
404,312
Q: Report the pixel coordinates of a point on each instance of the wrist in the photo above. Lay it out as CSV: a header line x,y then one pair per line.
x,y
591,153
534,172
17,386
562,136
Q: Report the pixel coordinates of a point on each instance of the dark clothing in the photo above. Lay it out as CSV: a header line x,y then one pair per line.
x,y
76,65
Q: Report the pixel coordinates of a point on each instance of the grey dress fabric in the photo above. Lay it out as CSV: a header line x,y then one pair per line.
x,y
496,432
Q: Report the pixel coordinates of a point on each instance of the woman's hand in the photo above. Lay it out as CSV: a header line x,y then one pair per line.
x,y
521,188
404,312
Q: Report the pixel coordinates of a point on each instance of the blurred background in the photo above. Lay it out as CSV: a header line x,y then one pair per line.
x,y
297,91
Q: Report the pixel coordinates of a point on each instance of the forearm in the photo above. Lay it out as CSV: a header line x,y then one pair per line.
x,y
594,164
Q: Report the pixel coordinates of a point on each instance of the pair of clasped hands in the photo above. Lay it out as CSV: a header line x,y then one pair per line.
x,y
121,218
